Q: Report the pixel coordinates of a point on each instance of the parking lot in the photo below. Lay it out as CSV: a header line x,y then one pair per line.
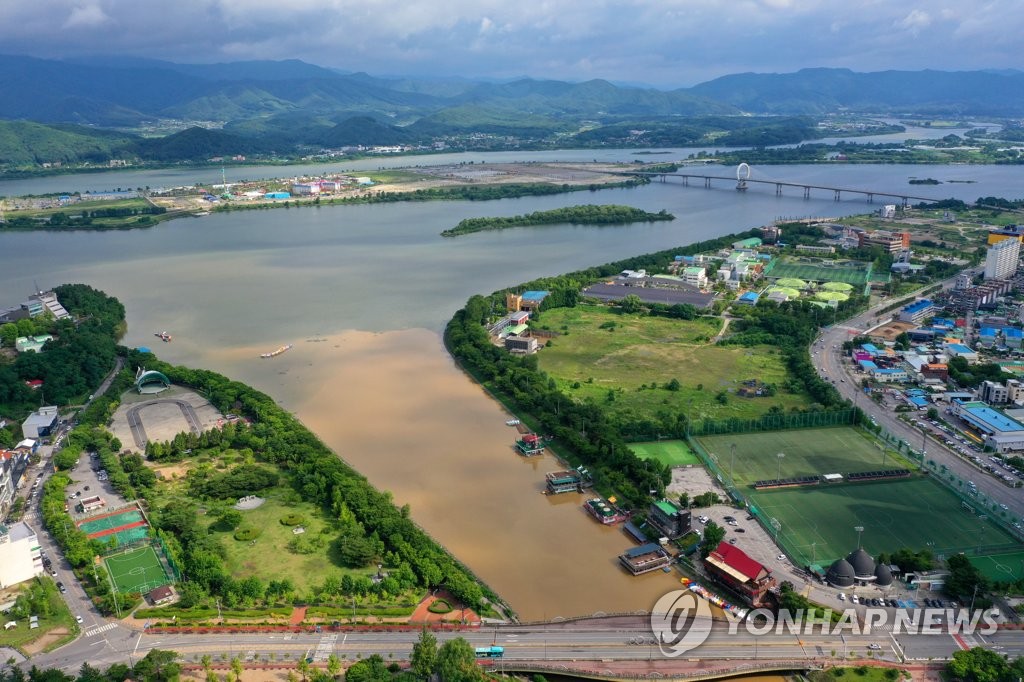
x,y
86,482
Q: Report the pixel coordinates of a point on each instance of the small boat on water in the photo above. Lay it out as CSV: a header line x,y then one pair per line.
x,y
275,353
164,336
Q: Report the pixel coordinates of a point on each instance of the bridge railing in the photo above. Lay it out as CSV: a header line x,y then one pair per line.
x,y
695,674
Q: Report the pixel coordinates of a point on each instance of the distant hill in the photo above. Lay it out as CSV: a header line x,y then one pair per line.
x,y
27,143
284,106
819,91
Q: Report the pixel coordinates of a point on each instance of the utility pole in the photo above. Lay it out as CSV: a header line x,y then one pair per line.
x,y
781,456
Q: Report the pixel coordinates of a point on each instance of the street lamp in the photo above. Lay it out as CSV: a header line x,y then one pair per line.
x,y
732,460
859,529
781,456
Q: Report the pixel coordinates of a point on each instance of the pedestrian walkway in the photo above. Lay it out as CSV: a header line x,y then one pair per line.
x,y
298,615
98,630
325,647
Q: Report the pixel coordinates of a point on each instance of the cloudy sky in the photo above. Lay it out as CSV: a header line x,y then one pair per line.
x,y
667,43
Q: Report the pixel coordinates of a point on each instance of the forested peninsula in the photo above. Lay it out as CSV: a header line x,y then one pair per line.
x,y
366,526
586,214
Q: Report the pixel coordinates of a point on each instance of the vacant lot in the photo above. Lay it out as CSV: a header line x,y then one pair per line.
x,y
627,362
808,452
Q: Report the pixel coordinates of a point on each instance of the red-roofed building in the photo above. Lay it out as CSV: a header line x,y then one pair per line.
x,y
732,567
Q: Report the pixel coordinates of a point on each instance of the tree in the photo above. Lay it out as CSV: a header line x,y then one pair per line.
x,y
456,662
158,666
333,665
8,334
932,413
424,655
631,303
713,534
370,669
684,500
978,665
303,667
236,667
229,518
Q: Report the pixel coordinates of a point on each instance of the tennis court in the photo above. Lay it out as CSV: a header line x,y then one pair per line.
x,y
818,522
124,525
136,570
749,457
1001,567
814,270
674,453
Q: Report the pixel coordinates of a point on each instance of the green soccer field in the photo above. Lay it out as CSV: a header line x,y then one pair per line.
x,y
137,570
674,453
855,273
916,513
1001,567
808,452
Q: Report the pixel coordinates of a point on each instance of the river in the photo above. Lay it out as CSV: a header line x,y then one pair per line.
x,y
363,293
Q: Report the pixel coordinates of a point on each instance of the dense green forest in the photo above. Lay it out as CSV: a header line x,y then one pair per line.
x,y
587,214
73,363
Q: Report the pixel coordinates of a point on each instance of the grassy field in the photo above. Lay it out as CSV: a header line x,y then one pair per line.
x,y
675,453
814,270
808,452
640,352
270,557
137,570
894,515
58,617
1001,567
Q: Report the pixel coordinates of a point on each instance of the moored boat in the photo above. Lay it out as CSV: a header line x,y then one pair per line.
x,y
604,511
275,353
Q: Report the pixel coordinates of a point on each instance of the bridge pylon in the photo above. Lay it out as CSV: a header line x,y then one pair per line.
x,y
742,175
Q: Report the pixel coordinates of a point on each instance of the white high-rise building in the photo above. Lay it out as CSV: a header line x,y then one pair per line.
x,y
20,557
1001,259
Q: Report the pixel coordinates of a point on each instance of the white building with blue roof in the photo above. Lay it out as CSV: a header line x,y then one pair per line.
x,y
999,431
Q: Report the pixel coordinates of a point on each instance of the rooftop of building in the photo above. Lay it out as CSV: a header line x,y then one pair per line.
x,y
917,306
666,507
981,414
736,559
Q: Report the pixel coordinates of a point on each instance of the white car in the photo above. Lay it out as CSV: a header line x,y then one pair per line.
x,y
874,647
841,596
78,619
781,557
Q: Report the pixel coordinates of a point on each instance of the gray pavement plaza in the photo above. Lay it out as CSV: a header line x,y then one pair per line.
x,y
161,416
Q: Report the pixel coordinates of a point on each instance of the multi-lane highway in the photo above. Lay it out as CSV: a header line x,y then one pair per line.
x,y
604,640
828,357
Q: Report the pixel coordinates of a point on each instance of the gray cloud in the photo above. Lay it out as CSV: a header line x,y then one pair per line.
x,y
671,43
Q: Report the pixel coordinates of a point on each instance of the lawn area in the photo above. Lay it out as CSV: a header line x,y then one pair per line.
x,y
270,557
633,361
1001,567
674,453
893,514
808,452
43,600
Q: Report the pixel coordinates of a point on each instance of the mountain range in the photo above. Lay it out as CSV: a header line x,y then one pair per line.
x,y
284,105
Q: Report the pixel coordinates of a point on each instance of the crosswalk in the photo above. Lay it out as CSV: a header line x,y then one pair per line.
x,y
100,629
325,647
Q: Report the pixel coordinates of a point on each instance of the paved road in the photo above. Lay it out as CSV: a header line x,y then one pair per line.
x,y
594,640
828,357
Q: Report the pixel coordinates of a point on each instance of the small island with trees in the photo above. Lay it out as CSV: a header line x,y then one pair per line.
x,y
586,214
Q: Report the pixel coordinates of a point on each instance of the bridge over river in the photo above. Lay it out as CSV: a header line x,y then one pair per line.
x,y
743,181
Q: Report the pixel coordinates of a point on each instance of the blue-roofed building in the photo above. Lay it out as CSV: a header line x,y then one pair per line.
x,y
917,311
999,431
958,350
867,365
920,402
943,323
1013,338
987,336
870,348
528,300
278,195
748,298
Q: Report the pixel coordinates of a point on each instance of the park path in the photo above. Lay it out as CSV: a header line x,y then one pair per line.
x,y
298,615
